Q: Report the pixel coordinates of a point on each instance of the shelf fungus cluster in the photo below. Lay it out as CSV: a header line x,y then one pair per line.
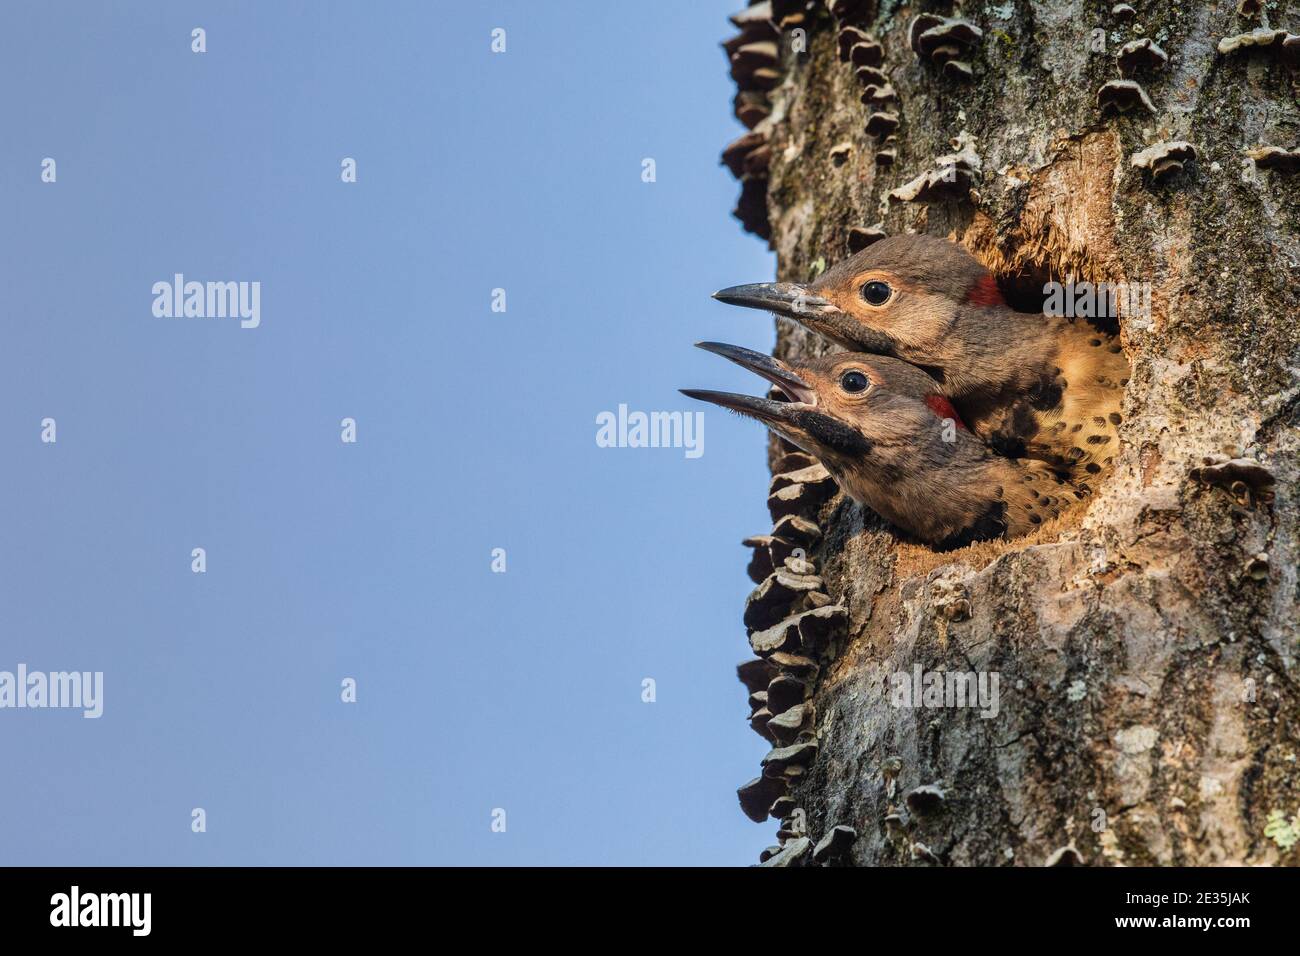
x,y
794,629
1275,158
1138,56
1164,160
947,42
1246,479
1279,43
867,57
953,176
862,236
755,57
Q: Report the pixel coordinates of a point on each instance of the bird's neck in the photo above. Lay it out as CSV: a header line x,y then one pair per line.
x,y
949,494
992,351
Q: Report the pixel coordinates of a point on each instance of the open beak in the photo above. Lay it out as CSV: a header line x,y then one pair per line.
x,y
775,414
797,420
810,310
800,396
774,370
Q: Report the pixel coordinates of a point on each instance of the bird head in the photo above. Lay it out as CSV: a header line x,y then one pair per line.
x,y
872,420
915,297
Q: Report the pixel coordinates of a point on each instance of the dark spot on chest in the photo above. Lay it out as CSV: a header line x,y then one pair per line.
x,y
992,523
1046,393
1012,432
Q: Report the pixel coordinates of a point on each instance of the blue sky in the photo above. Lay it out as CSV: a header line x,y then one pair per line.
x,y
476,430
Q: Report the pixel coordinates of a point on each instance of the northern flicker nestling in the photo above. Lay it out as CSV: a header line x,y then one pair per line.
x,y
894,443
1030,385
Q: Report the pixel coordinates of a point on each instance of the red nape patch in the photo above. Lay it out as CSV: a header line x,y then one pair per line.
x,y
943,408
985,292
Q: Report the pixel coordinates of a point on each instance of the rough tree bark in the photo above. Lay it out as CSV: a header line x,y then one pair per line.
x,y
1146,644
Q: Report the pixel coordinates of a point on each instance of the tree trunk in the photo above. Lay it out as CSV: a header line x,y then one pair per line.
x,y
1144,646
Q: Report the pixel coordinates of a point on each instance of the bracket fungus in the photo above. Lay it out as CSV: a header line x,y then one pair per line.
x,y
790,13
751,107
754,58
767,604
867,53
799,492
873,95
862,236
782,807
835,844
1141,54
925,799
1245,479
751,57
757,795
887,155
1276,158
733,156
882,124
793,461
843,9
798,530
790,723
760,563
755,674
944,40
792,854
848,38
1279,43
1257,568
870,76
807,632
779,759
783,636
1065,856
952,177
821,626
1262,38
1122,96
1164,159
754,13
785,692
789,665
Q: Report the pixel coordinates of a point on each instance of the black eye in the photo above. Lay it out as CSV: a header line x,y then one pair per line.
x,y
854,381
876,292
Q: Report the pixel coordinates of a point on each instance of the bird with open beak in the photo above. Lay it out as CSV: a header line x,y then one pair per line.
x,y
893,443
1030,385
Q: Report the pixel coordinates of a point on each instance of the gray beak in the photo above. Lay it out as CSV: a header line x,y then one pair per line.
x,y
764,409
783,298
810,310
774,370
800,394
